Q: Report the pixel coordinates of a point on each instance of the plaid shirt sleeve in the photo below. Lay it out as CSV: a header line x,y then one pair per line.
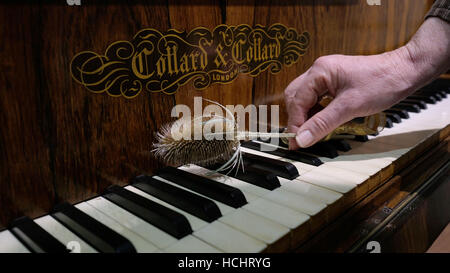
x,y
441,9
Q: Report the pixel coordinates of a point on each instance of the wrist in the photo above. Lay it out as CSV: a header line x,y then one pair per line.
x,y
401,71
427,54
422,59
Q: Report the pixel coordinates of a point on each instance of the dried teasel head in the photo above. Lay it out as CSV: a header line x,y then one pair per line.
x,y
177,143
204,140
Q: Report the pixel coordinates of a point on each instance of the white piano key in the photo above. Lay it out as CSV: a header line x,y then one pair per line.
x,y
255,226
151,233
297,202
328,181
224,209
354,163
191,244
278,213
365,163
350,176
62,234
375,160
405,141
408,136
303,188
10,244
141,245
371,149
196,223
276,196
260,153
229,239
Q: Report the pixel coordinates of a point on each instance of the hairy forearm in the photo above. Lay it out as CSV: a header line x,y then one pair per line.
x,y
427,54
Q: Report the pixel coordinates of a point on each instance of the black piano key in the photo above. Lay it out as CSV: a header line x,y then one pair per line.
x,y
427,99
402,113
294,155
361,138
436,93
197,205
170,221
278,167
92,231
429,93
340,144
226,194
324,149
357,138
394,118
320,149
421,104
35,238
437,96
252,175
389,123
408,107
442,93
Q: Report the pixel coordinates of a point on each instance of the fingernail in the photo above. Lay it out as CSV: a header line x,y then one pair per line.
x,y
304,139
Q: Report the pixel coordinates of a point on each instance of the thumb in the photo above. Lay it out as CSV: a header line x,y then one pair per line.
x,y
322,123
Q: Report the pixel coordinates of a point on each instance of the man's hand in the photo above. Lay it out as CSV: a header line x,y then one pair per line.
x,y
364,85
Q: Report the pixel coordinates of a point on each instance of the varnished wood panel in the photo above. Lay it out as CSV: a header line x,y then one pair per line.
x,y
60,142
26,169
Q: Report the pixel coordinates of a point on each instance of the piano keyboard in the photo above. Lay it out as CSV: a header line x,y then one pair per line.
x,y
280,198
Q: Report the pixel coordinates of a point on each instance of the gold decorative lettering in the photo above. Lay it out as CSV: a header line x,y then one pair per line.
x,y
162,62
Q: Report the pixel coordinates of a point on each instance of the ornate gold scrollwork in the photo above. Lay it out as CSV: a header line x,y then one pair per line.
x,y
162,62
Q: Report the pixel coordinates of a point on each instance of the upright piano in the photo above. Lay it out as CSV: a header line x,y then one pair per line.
x,y
86,84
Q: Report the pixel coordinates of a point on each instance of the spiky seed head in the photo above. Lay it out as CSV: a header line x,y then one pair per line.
x,y
203,141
